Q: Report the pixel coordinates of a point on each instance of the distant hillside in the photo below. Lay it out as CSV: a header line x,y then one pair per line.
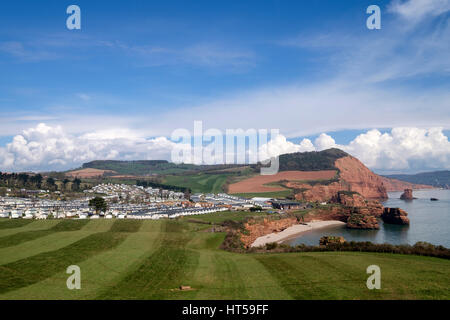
x,y
311,161
138,167
152,167
439,179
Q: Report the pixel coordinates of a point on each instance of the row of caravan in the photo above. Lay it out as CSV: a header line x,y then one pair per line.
x,y
42,214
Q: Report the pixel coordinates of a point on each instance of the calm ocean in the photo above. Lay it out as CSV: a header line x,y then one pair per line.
x,y
429,221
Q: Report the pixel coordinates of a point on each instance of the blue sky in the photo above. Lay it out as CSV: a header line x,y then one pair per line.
x,y
149,67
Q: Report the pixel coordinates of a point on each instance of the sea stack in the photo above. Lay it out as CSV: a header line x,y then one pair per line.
x,y
395,216
407,195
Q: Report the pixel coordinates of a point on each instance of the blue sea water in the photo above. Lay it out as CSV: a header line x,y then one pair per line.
x,y
429,221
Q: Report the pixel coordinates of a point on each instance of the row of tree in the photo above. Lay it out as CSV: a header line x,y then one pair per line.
x,y
37,181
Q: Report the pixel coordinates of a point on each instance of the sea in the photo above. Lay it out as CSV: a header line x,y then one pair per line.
x,y
429,222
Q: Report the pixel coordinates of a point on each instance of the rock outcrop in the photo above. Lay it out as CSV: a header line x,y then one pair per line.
x,y
355,200
256,229
407,195
360,179
358,220
353,177
395,216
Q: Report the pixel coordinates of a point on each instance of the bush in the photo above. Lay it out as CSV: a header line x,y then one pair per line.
x,y
420,248
271,245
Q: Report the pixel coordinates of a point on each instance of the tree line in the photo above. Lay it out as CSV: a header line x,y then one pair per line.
x,y
36,182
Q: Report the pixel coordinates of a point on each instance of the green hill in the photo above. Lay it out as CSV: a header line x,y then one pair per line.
x,y
439,179
152,167
304,161
311,161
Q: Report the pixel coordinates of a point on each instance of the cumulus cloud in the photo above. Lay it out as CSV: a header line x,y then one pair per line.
x,y
324,141
51,148
403,149
280,145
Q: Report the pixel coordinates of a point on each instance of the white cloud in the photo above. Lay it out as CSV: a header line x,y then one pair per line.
x,y
324,141
280,145
44,147
402,150
418,9
51,148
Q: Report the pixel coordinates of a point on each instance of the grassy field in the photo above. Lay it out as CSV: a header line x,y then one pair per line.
x,y
275,194
132,259
201,182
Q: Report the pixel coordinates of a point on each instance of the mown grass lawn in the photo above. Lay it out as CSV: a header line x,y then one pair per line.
x,y
131,259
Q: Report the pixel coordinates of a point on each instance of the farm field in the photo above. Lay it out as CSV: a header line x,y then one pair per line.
x,y
274,194
258,183
136,259
201,182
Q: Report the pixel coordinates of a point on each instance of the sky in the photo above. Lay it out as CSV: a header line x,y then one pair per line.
x,y
138,70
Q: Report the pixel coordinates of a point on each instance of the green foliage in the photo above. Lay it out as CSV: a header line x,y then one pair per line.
x,y
347,193
146,183
99,204
152,167
311,161
271,245
420,248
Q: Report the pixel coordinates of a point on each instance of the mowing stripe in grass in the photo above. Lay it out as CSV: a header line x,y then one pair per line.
x,y
294,280
52,242
13,223
160,273
27,271
18,238
99,271
126,225
225,275
217,277
260,283
35,225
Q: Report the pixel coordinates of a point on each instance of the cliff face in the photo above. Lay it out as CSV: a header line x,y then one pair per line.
x,y
353,176
395,216
256,230
360,178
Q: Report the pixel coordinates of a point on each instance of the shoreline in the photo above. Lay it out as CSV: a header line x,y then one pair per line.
x,y
293,231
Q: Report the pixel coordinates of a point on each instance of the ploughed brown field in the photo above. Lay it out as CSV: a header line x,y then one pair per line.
x,y
257,183
88,173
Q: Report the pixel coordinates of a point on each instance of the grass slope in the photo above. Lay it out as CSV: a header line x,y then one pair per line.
x,y
201,182
64,225
128,259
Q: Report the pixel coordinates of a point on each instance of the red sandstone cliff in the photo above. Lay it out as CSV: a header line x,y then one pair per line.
x,y
353,176
360,178
266,226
